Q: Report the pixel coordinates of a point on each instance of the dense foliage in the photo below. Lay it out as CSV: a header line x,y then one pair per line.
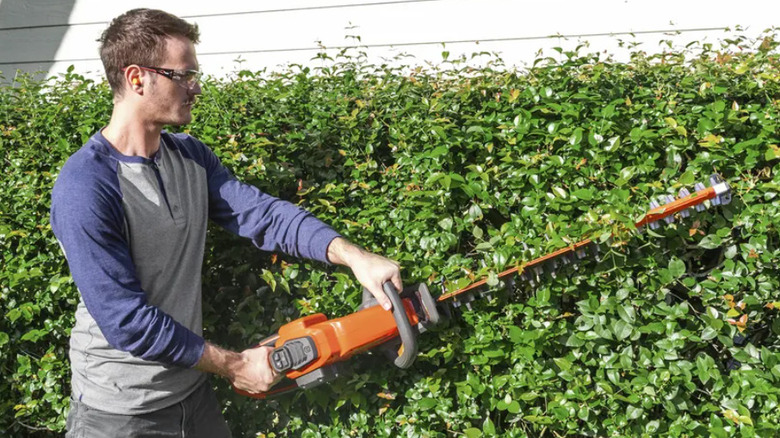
x,y
459,173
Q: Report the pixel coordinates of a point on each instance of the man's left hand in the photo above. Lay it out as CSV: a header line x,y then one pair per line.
x,y
370,269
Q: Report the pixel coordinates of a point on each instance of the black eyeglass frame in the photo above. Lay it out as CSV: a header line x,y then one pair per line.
x,y
179,76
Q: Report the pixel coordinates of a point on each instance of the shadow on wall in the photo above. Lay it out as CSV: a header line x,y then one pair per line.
x,y
30,35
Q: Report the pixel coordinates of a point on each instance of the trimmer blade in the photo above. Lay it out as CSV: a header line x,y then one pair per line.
x,y
699,187
684,193
654,225
667,200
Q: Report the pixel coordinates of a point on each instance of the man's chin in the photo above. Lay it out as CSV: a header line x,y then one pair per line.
x,y
180,121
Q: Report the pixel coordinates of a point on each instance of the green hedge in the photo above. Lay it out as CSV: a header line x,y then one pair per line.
x,y
459,173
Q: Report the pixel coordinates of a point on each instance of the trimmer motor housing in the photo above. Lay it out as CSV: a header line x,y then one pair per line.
x,y
309,350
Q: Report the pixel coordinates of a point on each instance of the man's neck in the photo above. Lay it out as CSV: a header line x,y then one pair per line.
x,y
132,137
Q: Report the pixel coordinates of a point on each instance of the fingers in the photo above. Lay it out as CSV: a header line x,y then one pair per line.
x,y
268,376
396,280
371,270
385,270
257,375
381,297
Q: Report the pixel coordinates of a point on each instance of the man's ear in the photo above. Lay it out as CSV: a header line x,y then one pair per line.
x,y
133,77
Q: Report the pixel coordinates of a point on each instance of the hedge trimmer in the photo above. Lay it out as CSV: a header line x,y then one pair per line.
x,y
310,350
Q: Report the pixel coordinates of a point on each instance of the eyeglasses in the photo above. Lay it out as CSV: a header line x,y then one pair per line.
x,y
187,78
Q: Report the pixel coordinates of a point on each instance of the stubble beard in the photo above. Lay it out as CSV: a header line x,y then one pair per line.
x,y
181,115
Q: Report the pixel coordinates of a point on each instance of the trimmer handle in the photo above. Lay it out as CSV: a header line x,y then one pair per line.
x,y
408,351
309,350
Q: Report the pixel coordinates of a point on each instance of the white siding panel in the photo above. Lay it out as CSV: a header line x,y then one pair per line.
x,y
101,10
464,20
266,34
80,43
34,13
513,53
28,45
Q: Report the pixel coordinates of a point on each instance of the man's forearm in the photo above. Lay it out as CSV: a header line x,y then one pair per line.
x,y
219,361
341,251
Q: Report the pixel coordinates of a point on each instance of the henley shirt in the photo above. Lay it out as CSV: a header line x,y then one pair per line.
x,y
133,231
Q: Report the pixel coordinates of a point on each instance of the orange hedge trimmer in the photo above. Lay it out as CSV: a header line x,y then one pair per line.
x,y
310,350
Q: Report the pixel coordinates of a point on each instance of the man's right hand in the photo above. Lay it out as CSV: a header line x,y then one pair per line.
x,y
248,371
256,375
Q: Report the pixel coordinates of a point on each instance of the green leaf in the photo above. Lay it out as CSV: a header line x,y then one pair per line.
x,y
583,194
704,126
613,144
446,223
574,341
633,412
627,313
439,151
543,296
13,314
474,212
652,427
426,403
269,278
473,432
718,432
613,375
559,192
515,334
772,152
711,241
687,178
562,363
492,279
622,329
708,333
488,427
33,335
676,267
576,137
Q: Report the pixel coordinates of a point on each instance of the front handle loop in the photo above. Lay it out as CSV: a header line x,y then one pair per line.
x,y
408,350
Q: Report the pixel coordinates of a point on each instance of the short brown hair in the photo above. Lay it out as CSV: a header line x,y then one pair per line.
x,y
138,37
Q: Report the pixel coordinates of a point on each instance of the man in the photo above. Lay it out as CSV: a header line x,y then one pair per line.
x,y
130,210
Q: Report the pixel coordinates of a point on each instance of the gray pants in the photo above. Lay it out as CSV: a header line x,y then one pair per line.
x,y
196,416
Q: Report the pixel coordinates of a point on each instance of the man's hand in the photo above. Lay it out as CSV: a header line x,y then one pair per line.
x,y
371,270
249,370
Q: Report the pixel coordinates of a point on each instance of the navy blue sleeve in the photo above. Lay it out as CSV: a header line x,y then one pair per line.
x,y
271,223
87,219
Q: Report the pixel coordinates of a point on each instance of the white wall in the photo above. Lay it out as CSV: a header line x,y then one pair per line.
x,y
51,35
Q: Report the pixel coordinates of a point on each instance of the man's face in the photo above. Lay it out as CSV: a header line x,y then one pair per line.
x,y
170,101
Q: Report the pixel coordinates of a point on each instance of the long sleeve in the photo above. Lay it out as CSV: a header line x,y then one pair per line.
x,y
88,220
271,223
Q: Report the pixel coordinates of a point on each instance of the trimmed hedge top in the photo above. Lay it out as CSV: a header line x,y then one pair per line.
x,y
459,174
